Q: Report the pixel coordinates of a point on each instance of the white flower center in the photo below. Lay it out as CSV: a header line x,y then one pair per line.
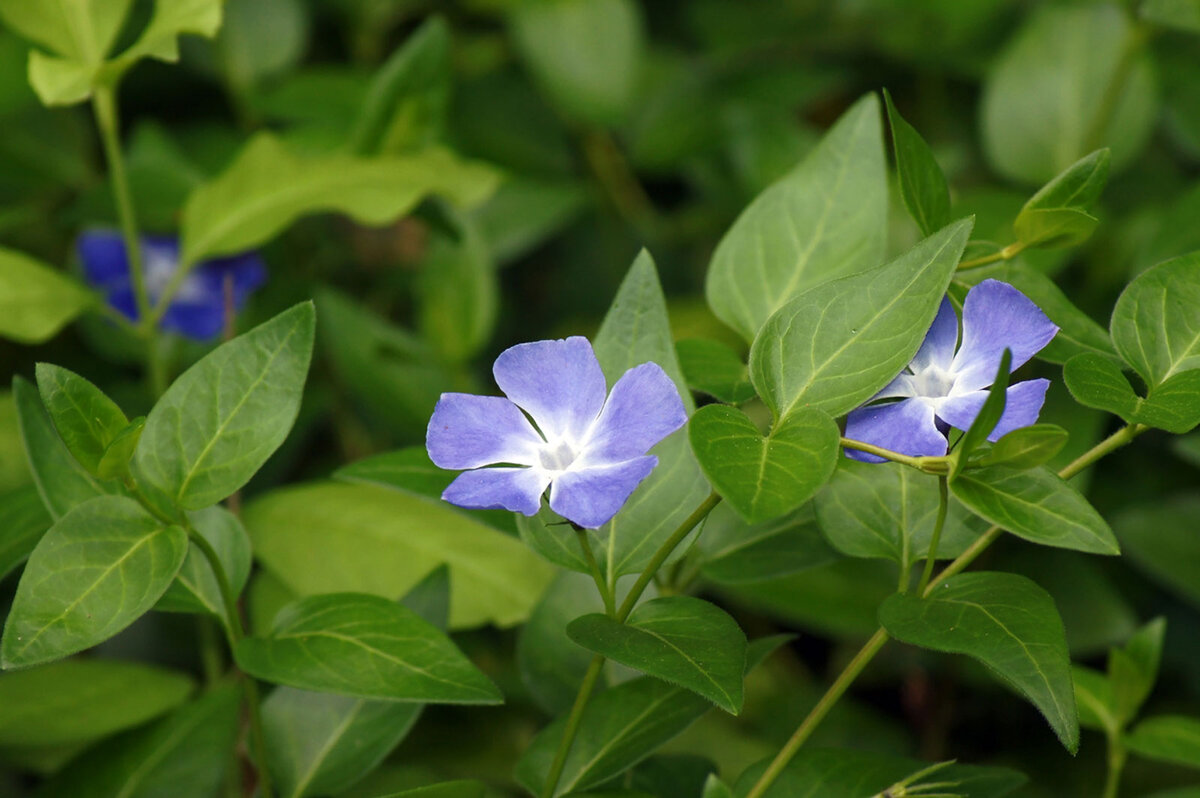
x,y
557,456
158,267
934,381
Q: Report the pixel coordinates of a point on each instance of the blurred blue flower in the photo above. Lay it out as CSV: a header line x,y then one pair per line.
x,y
589,449
942,388
198,308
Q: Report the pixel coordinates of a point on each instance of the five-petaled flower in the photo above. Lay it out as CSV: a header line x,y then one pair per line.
x,y
197,310
942,388
589,449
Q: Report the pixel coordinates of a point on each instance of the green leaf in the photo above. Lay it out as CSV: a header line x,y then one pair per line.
x,y
1154,324
430,598
1027,447
185,755
1094,700
834,346
888,511
23,521
97,570
1167,738
923,187
1181,15
825,219
267,188
114,463
458,292
550,665
736,552
715,788
260,40
1160,540
80,700
679,639
1042,99
328,537
195,588
367,646
764,478
1133,669
986,420
620,727
172,19
1037,505
35,300
221,420
320,744
85,418
585,54
1173,405
446,789
1006,622
713,368
1057,215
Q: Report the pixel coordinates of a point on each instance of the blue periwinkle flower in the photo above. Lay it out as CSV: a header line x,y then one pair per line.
x,y
942,388
197,310
589,449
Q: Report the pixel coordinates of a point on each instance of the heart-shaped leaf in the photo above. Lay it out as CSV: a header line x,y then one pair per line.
x,y
1172,405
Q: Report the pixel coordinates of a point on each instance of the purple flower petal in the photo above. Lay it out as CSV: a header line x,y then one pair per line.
x,y
518,490
997,316
591,496
102,255
468,431
200,322
643,408
1022,403
938,347
906,427
558,383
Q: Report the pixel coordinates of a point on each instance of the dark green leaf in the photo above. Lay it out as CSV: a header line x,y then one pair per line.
x,y
834,346
1133,669
680,639
458,293
764,478
447,789
221,420
922,185
87,421
1057,215
1160,539
736,552
1173,405
987,419
1182,15
23,521
97,570
1006,622
1167,738
713,368
1094,700
1035,504
1026,447
1154,323
551,666
366,646
195,588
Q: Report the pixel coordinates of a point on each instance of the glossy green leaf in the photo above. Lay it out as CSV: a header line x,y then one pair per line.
x,y
1173,405
86,420
764,478
735,552
1042,98
458,292
1006,622
1035,504
195,588
1159,539
367,646
23,521
585,54
320,743
97,570
1058,214
1027,447
1167,738
223,417
35,300
114,462
608,743
267,188
713,368
1133,669
888,511
185,755
679,639
923,187
328,537
825,219
986,420
80,700
1154,324
834,346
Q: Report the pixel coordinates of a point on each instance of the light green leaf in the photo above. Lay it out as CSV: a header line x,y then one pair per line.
x,y
1173,405
267,188
1160,539
320,743
80,700
764,478
1006,622
172,18
81,30
1179,14
1042,98
834,346
97,570
1026,447
827,218
328,537
114,462
715,788
458,293
679,639
35,300
713,368
1037,505
87,421
923,187
195,588
1167,738
221,420
736,552
1154,324
259,40
1058,214
585,54
367,646
23,521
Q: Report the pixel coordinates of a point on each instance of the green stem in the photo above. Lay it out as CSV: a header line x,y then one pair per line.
x,y
210,652
1116,764
631,600
601,585
1115,441
931,556
930,465
1008,253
